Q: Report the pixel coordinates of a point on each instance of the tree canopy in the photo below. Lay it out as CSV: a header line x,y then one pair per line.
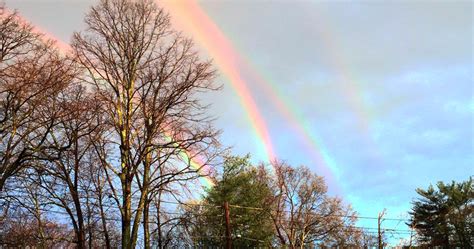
x,y
239,186
444,215
272,205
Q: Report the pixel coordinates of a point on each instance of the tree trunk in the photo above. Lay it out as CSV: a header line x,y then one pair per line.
x,y
104,222
2,183
142,201
127,213
80,233
146,225
158,219
228,233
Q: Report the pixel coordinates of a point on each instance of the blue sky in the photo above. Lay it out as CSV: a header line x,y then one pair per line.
x,y
411,64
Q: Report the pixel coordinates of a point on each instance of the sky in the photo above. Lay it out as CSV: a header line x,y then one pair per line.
x,y
375,96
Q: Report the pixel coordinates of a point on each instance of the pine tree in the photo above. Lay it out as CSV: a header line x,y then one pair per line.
x,y
445,216
240,188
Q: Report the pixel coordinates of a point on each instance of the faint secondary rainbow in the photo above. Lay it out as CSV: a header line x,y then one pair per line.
x,y
318,151
199,167
209,37
193,161
352,91
65,48
58,43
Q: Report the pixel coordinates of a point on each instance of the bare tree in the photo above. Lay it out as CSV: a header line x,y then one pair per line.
x,y
65,175
31,74
19,230
27,222
100,193
148,78
304,214
171,176
167,221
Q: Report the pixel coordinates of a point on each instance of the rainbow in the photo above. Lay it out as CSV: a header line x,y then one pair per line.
x,y
318,152
65,48
219,49
207,181
194,162
58,43
352,91
195,20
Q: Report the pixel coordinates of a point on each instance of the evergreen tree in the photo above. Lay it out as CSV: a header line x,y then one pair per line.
x,y
239,187
445,216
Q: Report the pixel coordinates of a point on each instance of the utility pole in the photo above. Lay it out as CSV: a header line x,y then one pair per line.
x,y
228,234
411,236
379,224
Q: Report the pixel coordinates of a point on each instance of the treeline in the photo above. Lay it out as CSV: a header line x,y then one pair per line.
x,y
276,206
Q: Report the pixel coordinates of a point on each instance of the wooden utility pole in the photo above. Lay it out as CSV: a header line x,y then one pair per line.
x,y
379,224
411,236
228,233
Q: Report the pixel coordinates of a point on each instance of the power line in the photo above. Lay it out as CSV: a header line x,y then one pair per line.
x,y
330,215
241,207
397,231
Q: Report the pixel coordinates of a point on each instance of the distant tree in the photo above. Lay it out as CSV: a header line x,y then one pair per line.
x,y
239,186
304,214
26,222
280,207
445,216
20,231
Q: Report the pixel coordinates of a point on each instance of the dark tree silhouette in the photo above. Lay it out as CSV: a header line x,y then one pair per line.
x,y
445,216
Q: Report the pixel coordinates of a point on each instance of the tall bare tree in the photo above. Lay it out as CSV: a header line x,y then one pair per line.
x,y
148,78
32,73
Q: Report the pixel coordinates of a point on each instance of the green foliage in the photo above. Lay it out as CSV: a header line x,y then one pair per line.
x,y
239,186
445,216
